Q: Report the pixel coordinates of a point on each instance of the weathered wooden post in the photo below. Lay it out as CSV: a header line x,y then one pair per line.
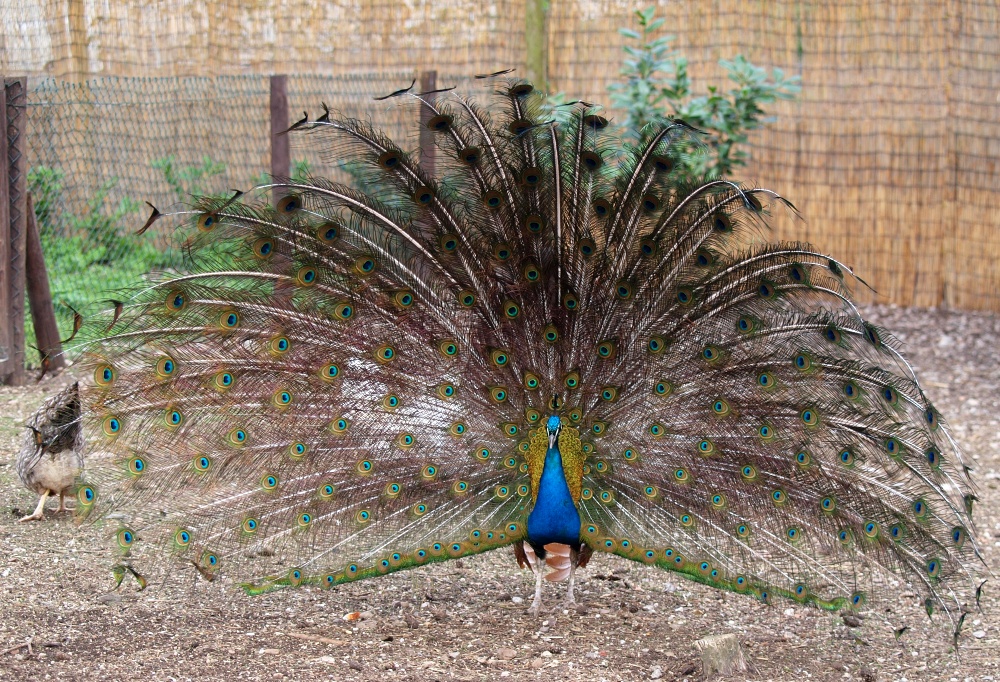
x,y
13,227
43,316
281,160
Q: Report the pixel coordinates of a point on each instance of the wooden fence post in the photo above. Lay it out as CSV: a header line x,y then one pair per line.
x,y
6,357
281,160
43,316
14,229
428,82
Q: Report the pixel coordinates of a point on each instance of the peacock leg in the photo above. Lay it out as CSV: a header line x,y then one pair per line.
x,y
39,510
539,569
574,559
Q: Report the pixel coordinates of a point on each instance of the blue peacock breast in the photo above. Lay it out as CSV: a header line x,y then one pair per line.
x,y
554,517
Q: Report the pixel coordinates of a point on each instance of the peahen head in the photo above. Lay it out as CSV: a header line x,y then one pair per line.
x,y
553,426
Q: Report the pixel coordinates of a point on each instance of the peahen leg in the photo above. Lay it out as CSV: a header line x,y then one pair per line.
x,y
62,503
39,510
539,569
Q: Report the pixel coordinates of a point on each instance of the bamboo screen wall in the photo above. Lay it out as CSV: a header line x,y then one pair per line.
x,y
891,152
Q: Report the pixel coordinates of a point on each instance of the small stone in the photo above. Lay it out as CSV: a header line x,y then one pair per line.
x,y
721,654
270,652
979,634
545,654
354,665
328,660
110,598
517,600
537,663
453,654
506,653
656,673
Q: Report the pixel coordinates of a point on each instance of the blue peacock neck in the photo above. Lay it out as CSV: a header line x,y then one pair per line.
x,y
554,517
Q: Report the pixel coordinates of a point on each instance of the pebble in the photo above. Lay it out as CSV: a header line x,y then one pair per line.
x,y
270,652
506,653
656,673
979,634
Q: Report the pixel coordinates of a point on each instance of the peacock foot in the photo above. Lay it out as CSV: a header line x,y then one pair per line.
x,y
37,516
534,609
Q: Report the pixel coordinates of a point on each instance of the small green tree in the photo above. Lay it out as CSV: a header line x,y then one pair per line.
x,y
656,84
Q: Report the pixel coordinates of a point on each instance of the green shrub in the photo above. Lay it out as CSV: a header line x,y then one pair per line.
x,y
656,85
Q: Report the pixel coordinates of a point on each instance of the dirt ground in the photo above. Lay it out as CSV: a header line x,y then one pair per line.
x,y
466,620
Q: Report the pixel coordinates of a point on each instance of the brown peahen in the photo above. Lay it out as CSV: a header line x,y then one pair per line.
x,y
51,458
555,338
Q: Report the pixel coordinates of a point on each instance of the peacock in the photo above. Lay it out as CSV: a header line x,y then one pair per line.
x,y
51,457
557,341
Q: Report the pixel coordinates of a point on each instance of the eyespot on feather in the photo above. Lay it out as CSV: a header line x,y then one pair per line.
x,y
440,123
390,159
650,203
493,199
263,248
104,375
590,160
176,301
207,222
423,195
466,298
521,89
328,233
365,265
531,176
289,204
469,156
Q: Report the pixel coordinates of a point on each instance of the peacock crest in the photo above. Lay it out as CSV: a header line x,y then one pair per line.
x,y
362,382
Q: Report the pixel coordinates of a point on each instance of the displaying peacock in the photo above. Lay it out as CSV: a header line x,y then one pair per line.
x,y
557,338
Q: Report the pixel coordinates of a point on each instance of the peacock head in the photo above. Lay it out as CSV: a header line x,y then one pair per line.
x,y
553,426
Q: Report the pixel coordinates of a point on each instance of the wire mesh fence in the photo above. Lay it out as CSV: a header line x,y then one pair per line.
x,y
890,152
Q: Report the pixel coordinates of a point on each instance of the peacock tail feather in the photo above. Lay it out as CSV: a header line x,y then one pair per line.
x,y
358,382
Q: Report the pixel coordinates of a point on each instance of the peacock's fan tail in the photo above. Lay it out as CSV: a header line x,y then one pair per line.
x,y
348,381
